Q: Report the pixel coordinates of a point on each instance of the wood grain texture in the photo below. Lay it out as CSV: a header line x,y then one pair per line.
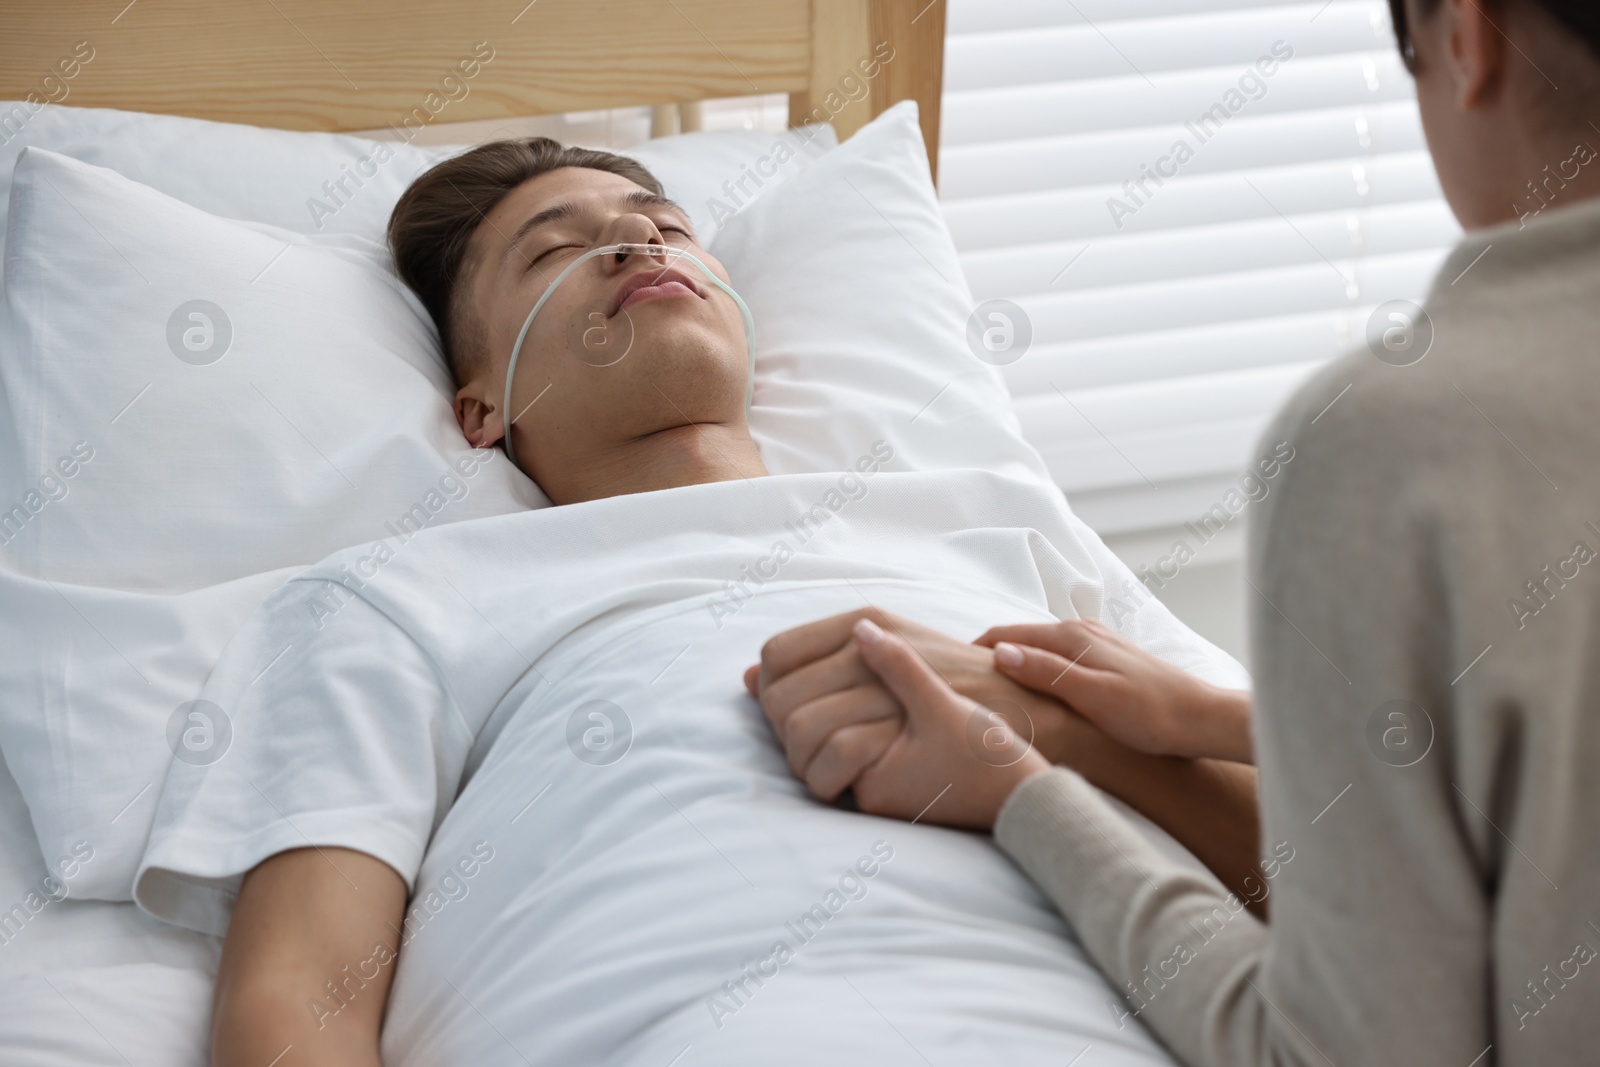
x,y
361,64
916,29
841,36
320,65
850,80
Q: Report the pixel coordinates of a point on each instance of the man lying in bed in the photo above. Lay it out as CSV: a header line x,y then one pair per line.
x,y
533,728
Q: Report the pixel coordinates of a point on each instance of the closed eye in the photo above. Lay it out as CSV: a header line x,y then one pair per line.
x,y
549,252
536,260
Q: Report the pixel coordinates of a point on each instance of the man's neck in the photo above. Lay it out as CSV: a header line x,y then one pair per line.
x,y
666,459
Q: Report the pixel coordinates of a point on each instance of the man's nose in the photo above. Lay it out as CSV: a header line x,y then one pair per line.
x,y
631,229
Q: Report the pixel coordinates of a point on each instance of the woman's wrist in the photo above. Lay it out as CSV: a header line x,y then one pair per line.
x,y
1033,762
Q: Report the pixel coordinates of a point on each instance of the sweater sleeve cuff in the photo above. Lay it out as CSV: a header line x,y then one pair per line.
x,y
1061,831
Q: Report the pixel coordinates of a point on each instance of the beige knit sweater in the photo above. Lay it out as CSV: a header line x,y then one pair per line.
x,y
1426,644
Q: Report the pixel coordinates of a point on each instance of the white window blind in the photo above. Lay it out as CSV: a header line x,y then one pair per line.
x,y
1166,331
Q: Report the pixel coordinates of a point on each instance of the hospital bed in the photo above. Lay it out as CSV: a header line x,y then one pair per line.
x,y
170,130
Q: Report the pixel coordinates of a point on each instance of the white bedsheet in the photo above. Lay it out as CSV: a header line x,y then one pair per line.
x,y
567,912
91,983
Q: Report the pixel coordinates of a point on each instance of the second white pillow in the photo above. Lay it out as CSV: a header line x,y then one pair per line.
x,y
862,316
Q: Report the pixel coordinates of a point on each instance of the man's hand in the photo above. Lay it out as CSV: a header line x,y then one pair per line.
x,y
815,687
1142,701
949,757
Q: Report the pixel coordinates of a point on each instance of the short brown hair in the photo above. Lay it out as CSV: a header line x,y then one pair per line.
x,y
436,218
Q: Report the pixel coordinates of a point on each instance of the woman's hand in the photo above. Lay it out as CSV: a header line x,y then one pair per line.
x,y
815,687
1136,698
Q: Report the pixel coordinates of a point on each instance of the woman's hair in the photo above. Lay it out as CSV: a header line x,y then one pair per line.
x,y
1582,17
434,221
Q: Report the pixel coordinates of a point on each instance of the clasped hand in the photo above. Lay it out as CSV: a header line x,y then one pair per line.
x,y
919,724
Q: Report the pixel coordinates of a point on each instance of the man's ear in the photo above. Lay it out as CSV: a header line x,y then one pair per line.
x,y
479,415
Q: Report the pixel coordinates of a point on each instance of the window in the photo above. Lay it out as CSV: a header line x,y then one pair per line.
x,y
1196,203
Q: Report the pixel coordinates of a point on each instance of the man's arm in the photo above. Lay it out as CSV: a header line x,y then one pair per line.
x,y
1209,806
307,963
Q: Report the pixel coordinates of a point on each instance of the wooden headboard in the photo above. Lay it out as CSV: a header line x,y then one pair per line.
x,y
327,65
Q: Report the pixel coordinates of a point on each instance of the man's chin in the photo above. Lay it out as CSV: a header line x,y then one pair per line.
x,y
695,385
674,343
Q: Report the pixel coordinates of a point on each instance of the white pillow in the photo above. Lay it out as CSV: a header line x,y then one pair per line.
x,y
211,399
238,172
278,176
862,315
716,174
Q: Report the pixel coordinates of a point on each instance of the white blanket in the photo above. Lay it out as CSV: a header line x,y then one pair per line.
x,y
652,883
